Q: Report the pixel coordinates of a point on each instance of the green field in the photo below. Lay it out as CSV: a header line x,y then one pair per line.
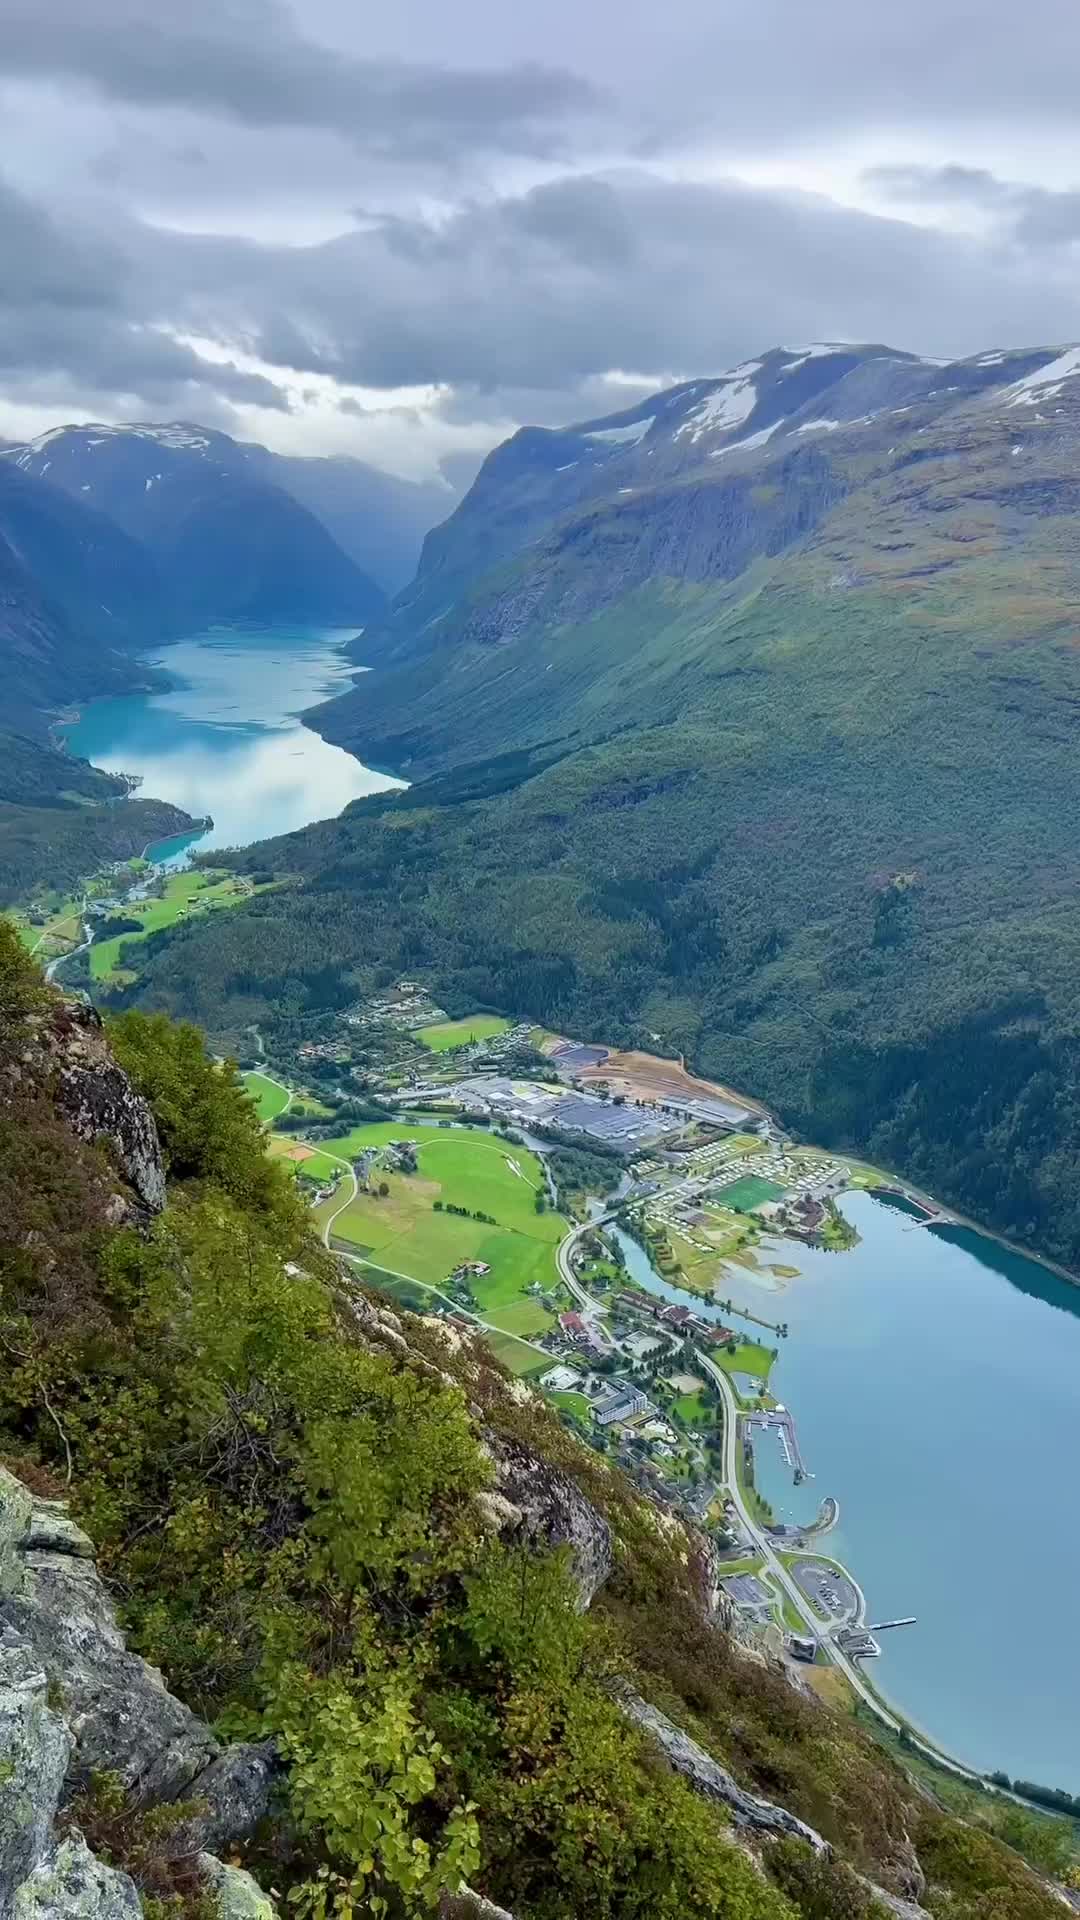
x,y
186,895
270,1098
402,1230
447,1034
695,1410
749,1192
517,1357
525,1317
61,930
575,1403
749,1357
310,1161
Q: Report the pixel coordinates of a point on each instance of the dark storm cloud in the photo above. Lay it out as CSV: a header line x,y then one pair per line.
x,y
74,310
526,301
554,287
178,166
246,60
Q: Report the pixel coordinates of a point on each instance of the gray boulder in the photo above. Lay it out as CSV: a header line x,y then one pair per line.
x,y
122,1716
238,1895
467,1905
708,1777
545,1508
232,1795
74,1885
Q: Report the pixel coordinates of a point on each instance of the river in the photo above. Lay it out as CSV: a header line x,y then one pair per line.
x,y
934,1376
224,738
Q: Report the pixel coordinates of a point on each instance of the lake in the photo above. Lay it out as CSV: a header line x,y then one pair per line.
x,y
934,1376
224,738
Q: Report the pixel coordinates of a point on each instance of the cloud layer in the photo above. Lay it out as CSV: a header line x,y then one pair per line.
x,y
283,221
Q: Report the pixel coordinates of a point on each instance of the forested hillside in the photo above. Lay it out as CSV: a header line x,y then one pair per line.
x,y
368,1557
778,750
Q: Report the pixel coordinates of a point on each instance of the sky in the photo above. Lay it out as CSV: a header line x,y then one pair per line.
x,y
401,232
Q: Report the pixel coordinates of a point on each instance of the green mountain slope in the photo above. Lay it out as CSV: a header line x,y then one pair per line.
x,y
815,824
440,1631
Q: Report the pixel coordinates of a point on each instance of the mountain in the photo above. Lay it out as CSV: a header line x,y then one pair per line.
x,y
704,488
377,519
226,543
74,591
766,746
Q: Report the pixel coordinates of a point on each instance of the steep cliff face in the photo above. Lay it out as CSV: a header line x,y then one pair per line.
x,y
75,1704
65,1049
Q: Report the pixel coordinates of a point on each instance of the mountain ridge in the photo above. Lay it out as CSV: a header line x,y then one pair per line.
x,y
774,758
226,542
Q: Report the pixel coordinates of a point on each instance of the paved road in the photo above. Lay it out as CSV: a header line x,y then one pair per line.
x,y
62,958
764,1546
349,1197
802,1606
591,1308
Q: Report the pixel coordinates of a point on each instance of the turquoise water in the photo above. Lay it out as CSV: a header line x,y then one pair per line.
x,y
935,1381
225,740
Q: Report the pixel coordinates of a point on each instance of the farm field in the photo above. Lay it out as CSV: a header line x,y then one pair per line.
x,y
185,894
270,1099
61,930
447,1034
311,1160
517,1357
403,1231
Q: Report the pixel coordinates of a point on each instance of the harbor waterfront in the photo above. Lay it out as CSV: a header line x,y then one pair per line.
x,y
932,1375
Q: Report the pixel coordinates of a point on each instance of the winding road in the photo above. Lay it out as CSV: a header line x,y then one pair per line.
x,y
816,1628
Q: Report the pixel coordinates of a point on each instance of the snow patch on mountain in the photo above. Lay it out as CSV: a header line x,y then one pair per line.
x,y
1046,382
727,406
816,352
818,426
751,440
622,436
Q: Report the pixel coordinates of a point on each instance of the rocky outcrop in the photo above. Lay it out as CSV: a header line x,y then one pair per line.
x,y
467,1905
238,1895
34,1750
99,1102
902,1909
72,1884
74,1702
708,1777
41,1877
542,1505
530,1501
67,1049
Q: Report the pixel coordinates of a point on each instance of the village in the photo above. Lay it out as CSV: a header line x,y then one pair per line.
x,y
598,1215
